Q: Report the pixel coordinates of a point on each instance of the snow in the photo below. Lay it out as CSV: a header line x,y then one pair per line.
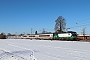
x,y
25,49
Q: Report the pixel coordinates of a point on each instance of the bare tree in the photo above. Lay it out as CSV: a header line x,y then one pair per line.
x,y
60,24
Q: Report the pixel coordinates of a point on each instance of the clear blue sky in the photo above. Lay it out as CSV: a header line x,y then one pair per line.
x,y
22,15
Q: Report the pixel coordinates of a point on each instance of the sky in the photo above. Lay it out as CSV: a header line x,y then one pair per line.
x,y
19,16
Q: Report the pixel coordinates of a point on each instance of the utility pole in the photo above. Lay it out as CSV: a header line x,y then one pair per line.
x,y
84,32
43,30
23,33
16,35
31,31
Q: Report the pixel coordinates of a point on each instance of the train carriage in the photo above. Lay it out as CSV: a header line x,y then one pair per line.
x,y
45,36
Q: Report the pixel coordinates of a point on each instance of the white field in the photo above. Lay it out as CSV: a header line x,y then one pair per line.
x,y
25,49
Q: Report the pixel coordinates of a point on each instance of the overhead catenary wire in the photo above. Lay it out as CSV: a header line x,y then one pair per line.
x,y
80,25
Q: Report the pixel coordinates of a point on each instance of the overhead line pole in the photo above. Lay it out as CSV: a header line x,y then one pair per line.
x,y
31,31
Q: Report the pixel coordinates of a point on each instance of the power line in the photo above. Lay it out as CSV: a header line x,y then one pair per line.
x,y
80,25
84,21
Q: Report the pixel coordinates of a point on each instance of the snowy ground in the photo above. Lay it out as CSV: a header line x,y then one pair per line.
x,y
21,49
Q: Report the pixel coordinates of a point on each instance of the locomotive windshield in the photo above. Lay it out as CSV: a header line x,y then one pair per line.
x,y
74,34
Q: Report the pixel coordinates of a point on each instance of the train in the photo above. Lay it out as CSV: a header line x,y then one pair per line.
x,y
53,36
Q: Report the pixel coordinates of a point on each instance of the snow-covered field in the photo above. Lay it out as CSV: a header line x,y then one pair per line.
x,y
25,49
